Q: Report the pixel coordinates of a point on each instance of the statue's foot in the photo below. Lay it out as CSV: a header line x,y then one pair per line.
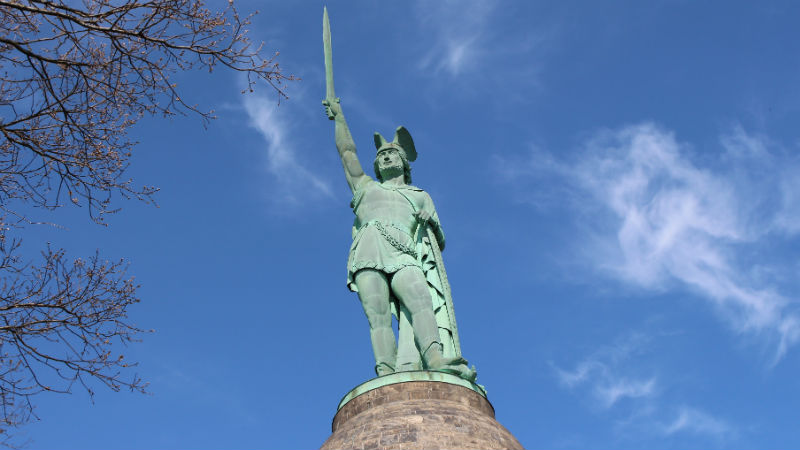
x,y
462,371
382,369
408,367
457,366
434,360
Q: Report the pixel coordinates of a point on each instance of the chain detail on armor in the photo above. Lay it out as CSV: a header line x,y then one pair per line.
x,y
395,243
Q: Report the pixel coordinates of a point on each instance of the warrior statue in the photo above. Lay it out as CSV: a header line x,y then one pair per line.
x,y
395,262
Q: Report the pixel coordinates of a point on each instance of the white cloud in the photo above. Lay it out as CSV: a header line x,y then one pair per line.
x,y
695,421
659,218
458,28
604,374
472,37
294,181
620,388
578,376
613,377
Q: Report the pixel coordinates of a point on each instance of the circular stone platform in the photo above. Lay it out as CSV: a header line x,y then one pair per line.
x,y
399,411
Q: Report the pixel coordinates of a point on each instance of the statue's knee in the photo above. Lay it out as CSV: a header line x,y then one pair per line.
x,y
421,309
416,299
377,311
379,321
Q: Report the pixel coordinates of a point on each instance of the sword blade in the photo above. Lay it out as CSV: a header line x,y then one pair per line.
x,y
326,40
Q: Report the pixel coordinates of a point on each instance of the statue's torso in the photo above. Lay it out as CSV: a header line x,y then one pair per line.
x,y
383,232
389,204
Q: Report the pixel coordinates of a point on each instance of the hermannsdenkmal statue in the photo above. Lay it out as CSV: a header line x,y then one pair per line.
x,y
395,263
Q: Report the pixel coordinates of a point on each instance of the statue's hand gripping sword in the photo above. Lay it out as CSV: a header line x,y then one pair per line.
x,y
330,95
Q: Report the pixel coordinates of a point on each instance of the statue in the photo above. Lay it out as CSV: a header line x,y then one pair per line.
x,y
395,262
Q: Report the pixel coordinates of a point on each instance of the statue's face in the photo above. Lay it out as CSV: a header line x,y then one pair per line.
x,y
389,160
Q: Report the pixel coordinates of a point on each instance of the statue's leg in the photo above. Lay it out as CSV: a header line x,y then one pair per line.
x,y
373,290
408,357
411,288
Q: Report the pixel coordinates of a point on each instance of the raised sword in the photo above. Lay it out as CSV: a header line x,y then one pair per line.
x,y
330,94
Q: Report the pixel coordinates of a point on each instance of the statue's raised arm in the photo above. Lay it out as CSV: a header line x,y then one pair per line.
x,y
344,143
333,108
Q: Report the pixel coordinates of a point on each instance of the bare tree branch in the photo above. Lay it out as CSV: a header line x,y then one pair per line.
x,y
74,76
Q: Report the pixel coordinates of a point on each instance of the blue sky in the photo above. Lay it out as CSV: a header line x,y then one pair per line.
x,y
620,187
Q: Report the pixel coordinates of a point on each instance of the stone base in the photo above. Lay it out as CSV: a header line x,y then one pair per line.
x,y
418,415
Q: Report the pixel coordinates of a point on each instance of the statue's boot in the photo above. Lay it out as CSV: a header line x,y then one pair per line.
x,y
383,368
385,350
434,360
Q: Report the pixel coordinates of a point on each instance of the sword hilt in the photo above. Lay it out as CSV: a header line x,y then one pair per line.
x,y
331,110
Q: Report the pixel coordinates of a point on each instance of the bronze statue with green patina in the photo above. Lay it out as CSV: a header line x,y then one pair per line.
x,y
395,262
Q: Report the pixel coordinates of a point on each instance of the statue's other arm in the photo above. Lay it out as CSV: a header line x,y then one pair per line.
x,y
344,143
428,214
437,230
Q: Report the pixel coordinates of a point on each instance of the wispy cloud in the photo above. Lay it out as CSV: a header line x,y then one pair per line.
x,y
294,182
621,385
622,388
458,28
602,374
467,37
695,421
660,218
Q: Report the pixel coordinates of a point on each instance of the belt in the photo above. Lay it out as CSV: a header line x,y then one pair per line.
x,y
398,226
381,227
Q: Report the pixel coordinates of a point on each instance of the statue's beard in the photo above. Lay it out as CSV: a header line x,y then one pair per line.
x,y
390,172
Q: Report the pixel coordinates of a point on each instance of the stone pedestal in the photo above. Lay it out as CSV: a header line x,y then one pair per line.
x,y
417,410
